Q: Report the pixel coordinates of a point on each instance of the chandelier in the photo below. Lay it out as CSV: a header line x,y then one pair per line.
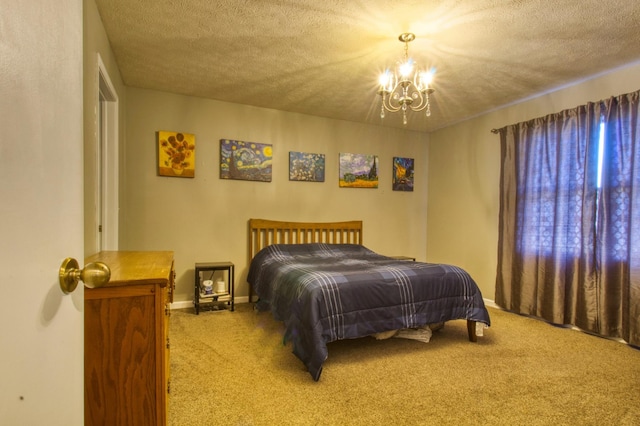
x,y
407,87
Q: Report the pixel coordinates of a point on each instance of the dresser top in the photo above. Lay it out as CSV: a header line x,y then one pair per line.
x,y
139,267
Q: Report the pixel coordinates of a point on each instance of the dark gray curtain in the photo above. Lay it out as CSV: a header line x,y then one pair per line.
x,y
619,221
561,256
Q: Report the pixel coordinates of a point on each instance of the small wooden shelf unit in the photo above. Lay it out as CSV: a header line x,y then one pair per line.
x,y
228,296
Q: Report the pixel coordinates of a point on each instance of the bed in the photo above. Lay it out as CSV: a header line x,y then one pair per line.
x,y
325,285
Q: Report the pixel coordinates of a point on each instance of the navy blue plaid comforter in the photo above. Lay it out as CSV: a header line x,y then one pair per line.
x,y
329,292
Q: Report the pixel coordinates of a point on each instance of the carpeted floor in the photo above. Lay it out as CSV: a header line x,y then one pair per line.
x,y
231,368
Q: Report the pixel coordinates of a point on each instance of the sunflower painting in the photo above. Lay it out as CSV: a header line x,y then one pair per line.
x,y
176,154
245,160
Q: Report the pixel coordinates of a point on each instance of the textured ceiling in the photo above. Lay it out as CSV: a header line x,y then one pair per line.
x,y
322,57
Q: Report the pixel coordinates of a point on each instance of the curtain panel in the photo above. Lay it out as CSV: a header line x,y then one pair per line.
x,y
619,223
569,232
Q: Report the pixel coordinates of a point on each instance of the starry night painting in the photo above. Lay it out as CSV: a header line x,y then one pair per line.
x,y
358,171
245,160
402,174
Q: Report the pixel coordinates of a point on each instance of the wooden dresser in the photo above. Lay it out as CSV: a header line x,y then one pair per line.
x,y
126,340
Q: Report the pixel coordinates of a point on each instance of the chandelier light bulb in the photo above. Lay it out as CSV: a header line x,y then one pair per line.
x,y
406,68
408,88
385,80
426,78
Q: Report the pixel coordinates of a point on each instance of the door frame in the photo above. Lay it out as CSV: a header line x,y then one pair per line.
x,y
107,182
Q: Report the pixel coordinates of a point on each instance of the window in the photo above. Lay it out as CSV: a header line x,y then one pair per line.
x,y
569,241
552,186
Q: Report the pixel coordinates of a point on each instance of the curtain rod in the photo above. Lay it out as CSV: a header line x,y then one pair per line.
x,y
495,130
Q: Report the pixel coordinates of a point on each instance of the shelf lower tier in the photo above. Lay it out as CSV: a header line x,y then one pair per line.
x,y
213,297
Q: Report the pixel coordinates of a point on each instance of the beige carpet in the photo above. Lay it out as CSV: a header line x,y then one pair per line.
x,y
231,368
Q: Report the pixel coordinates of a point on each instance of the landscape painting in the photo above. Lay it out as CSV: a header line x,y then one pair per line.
x,y
402,174
358,171
306,166
245,160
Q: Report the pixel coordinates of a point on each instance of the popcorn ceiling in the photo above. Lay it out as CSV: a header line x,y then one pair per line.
x,y
323,57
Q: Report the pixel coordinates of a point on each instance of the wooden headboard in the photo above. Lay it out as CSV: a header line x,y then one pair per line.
x,y
263,233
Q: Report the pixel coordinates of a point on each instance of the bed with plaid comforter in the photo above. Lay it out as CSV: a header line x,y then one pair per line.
x,y
329,292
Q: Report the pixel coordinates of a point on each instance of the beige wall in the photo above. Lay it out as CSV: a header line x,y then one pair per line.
x,y
204,219
464,173
95,43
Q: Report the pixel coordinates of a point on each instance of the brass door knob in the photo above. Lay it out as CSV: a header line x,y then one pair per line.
x,y
94,274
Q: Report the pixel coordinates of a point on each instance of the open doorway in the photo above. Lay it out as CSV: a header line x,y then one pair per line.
x,y
106,178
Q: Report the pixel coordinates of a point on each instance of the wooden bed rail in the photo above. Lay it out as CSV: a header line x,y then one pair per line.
x,y
263,233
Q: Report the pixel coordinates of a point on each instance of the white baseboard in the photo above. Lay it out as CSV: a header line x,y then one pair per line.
x,y
491,303
184,304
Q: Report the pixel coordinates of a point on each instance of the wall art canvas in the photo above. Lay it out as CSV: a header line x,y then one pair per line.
x,y
176,154
402,174
306,166
358,171
245,160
